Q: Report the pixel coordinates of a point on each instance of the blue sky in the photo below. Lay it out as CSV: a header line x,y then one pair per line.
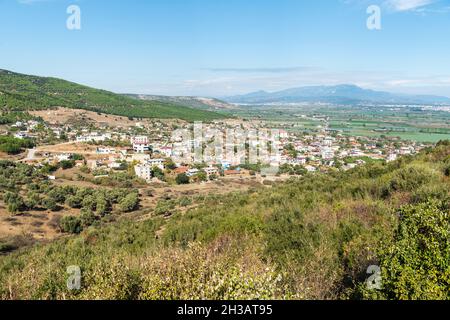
x,y
226,47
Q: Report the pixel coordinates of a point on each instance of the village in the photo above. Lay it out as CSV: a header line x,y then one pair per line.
x,y
153,151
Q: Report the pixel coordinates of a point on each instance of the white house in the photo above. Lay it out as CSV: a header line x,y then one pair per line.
x,y
20,135
301,160
140,144
94,137
114,165
192,172
211,170
63,156
156,163
143,171
327,153
391,157
166,151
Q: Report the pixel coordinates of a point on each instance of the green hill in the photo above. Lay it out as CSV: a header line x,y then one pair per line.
x,y
309,238
24,92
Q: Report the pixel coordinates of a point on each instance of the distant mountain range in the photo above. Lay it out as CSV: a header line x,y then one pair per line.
x,y
210,104
340,94
25,92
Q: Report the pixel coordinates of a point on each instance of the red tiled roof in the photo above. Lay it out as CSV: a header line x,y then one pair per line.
x,y
181,170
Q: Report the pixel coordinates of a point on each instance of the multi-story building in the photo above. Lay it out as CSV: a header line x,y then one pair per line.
x,y
156,163
143,171
140,144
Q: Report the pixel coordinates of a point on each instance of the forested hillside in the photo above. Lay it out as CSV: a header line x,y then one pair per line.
x,y
25,92
309,238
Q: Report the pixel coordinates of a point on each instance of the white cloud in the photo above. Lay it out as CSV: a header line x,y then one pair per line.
x,y
408,5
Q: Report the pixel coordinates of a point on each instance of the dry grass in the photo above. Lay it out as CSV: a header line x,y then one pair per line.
x,y
67,116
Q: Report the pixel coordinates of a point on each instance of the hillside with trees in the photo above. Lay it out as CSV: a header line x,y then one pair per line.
x,y
19,92
313,237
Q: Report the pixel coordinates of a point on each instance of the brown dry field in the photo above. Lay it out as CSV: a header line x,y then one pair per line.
x,y
5,156
69,147
65,115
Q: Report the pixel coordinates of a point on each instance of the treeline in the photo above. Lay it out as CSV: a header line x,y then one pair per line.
x,y
13,117
12,145
313,237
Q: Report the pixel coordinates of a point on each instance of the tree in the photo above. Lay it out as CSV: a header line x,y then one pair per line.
x,y
182,178
50,204
67,164
158,173
77,157
89,202
32,200
200,177
129,203
169,164
102,206
87,218
14,202
74,201
58,194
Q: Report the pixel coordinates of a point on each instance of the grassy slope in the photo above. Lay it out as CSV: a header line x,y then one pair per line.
x,y
312,237
25,92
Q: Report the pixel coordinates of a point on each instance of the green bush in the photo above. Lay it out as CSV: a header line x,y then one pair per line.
x,y
14,202
87,218
71,224
50,204
182,178
67,164
415,264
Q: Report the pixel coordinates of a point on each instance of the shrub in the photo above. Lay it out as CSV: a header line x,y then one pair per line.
x,y
71,224
74,201
87,218
416,263
67,164
50,204
182,178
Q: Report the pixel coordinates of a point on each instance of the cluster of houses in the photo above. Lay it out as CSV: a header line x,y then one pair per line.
x,y
322,150
149,151
24,129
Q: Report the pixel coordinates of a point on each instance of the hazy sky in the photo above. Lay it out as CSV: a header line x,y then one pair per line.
x,y
225,47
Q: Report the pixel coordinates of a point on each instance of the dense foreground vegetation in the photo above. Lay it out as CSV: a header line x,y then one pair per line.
x,y
24,188
24,92
309,238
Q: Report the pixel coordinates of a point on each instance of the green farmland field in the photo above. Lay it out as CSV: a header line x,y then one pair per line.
x,y
408,123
